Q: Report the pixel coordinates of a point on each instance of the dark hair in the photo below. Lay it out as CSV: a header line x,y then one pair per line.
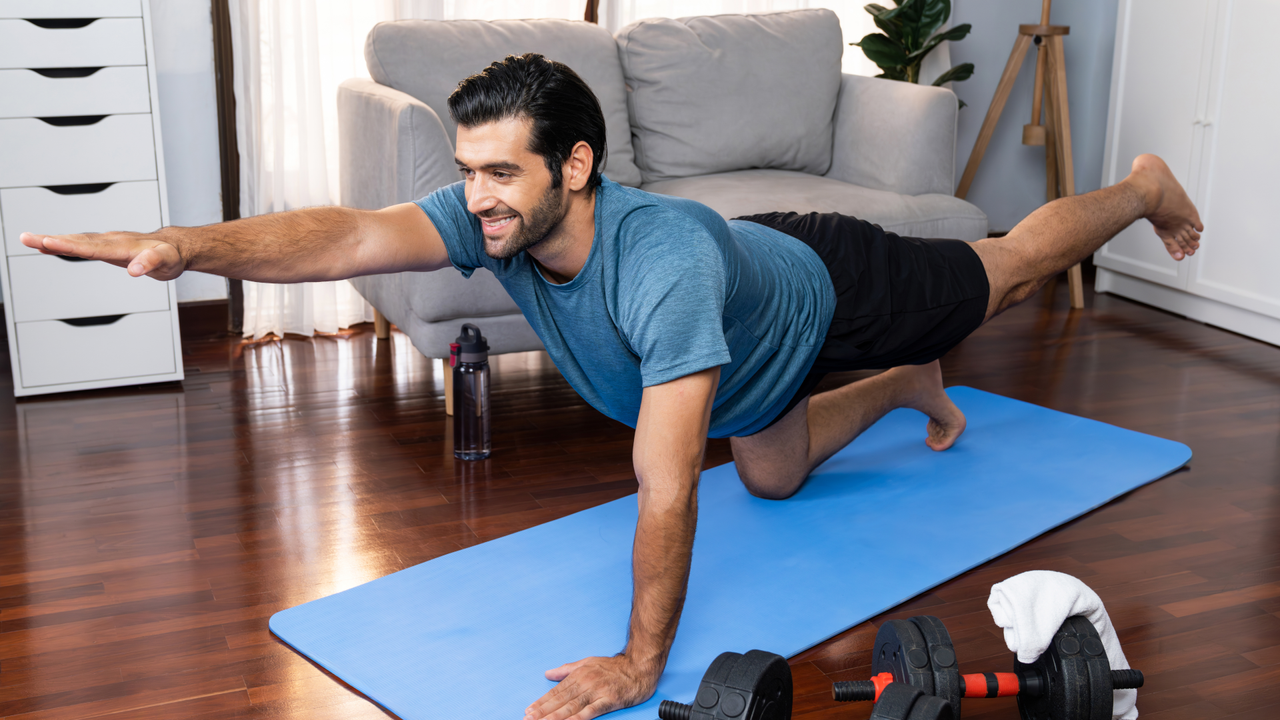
x,y
562,108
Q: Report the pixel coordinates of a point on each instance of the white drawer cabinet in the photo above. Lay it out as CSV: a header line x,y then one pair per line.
x,y
41,283
70,8
52,353
43,153
61,91
80,153
102,42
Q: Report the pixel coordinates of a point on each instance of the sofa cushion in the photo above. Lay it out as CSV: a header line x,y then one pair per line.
x,y
750,192
428,58
730,92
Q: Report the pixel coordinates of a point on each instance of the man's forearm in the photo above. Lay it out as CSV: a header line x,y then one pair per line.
x,y
296,246
660,563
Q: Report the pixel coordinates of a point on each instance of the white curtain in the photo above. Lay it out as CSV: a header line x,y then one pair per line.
x,y
290,57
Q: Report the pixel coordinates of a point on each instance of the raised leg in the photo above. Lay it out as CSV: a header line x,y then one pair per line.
x,y
774,463
1065,231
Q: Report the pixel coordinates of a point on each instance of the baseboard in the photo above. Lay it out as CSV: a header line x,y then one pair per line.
x,y
1194,307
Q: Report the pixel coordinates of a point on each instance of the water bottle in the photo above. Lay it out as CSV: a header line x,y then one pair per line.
x,y
469,357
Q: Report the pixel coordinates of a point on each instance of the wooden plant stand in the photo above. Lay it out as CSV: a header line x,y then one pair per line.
x,y
1050,124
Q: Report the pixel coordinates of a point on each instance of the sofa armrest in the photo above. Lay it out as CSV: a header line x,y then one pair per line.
x,y
392,147
895,136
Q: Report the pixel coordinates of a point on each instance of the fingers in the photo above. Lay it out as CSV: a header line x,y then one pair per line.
x,y
562,672
595,709
140,255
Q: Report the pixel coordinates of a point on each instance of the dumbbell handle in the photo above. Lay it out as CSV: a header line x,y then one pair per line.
x,y
978,685
672,710
990,685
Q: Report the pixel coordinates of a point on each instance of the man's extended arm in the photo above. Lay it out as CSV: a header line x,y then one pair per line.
x,y
670,439
321,243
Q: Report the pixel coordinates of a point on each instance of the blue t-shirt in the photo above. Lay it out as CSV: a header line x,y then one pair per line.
x,y
669,289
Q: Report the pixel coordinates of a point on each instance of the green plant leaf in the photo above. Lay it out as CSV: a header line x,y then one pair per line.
x,y
882,51
910,13
933,15
876,10
896,73
891,28
955,74
955,33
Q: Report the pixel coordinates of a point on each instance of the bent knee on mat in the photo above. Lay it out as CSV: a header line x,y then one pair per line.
x,y
771,483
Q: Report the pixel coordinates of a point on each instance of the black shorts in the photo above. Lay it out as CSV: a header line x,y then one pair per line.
x,y
899,300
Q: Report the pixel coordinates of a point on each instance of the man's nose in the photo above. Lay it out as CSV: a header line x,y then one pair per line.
x,y
480,198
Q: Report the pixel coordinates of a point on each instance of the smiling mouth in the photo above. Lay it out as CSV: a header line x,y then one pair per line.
x,y
495,224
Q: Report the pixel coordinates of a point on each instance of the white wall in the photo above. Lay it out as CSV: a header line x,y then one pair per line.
x,y
183,37
1011,182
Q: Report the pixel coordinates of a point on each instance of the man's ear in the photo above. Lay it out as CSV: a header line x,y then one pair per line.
x,y
577,169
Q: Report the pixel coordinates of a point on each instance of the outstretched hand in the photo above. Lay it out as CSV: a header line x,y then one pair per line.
x,y
592,687
140,254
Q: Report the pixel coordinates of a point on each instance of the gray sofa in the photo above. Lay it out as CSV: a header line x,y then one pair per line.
x,y
745,113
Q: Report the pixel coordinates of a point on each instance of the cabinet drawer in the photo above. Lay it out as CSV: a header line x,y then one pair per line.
x,y
122,206
106,91
47,287
54,352
109,41
70,8
113,149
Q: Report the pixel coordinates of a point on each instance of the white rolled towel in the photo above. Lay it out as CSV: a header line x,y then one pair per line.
x,y
1032,606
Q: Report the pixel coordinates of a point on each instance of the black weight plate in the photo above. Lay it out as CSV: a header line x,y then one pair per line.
x,y
931,707
895,702
1071,691
767,679
942,657
901,651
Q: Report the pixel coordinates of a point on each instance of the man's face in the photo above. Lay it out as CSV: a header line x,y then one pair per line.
x,y
508,187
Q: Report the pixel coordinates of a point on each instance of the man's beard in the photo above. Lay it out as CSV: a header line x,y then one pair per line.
x,y
533,230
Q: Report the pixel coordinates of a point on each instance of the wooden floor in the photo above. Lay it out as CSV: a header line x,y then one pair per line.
x,y
146,535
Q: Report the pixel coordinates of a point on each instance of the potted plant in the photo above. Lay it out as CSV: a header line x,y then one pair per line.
x,y
910,32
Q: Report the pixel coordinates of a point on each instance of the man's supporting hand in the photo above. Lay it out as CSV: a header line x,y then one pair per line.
x,y
595,686
140,253
671,435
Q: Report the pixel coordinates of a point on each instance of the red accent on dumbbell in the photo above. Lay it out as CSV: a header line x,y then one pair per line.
x,y
881,682
989,685
861,690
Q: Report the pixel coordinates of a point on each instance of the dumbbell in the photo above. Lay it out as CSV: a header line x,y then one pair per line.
x,y
757,686
1071,680
754,686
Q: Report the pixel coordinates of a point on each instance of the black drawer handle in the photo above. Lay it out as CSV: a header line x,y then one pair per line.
x,y
70,120
85,189
77,72
90,321
68,258
60,23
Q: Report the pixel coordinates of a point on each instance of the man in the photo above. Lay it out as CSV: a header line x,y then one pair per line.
x,y
666,317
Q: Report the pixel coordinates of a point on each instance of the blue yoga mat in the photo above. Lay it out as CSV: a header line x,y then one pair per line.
x,y
469,635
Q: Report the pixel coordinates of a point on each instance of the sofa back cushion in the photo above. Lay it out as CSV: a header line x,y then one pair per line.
x,y
428,58
731,92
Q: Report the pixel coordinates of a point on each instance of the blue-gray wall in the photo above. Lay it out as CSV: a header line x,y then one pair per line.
x,y
1011,182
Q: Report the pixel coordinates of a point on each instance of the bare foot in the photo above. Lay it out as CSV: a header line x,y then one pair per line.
x,y
1168,207
922,388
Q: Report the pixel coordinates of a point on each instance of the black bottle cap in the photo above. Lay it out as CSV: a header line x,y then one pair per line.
x,y
472,343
